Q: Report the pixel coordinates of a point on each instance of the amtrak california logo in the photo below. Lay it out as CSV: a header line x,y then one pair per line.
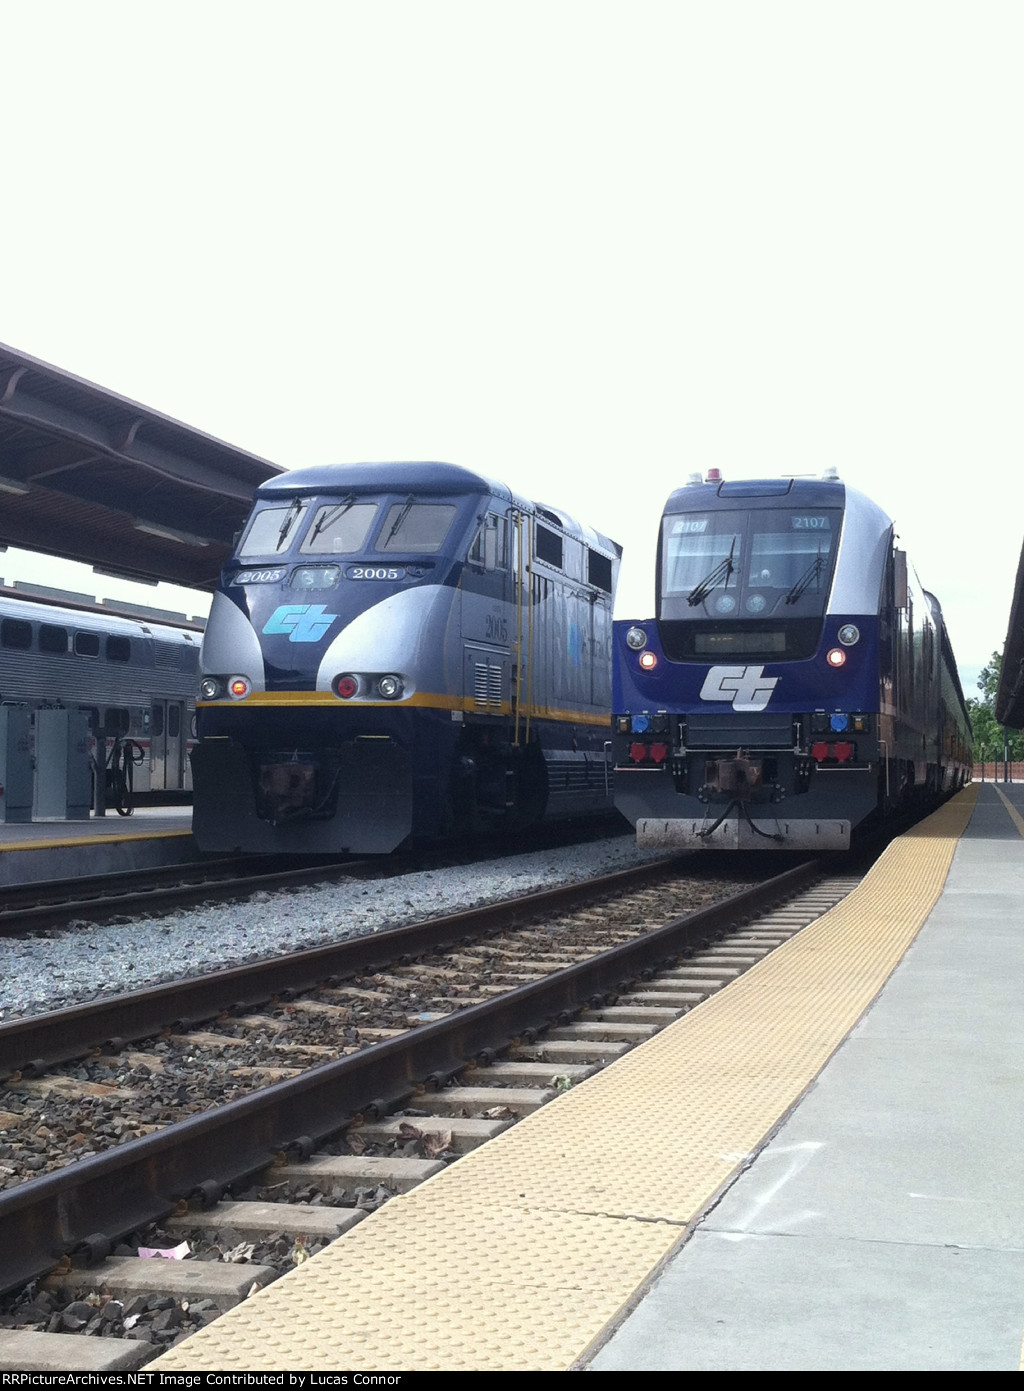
x,y
302,622
746,688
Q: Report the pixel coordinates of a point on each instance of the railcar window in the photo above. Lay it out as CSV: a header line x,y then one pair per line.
x,y
272,529
119,649
339,528
94,717
87,644
549,547
599,570
157,723
52,638
116,720
416,526
173,721
15,632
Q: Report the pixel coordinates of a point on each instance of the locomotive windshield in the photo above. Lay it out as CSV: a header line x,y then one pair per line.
x,y
340,528
347,526
272,528
748,582
415,526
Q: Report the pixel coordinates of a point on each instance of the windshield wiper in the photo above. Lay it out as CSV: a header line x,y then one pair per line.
x,y
722,571
407,506
807,578
289,522
328,517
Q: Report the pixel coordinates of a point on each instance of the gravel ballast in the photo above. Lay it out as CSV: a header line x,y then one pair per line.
x,y
84,962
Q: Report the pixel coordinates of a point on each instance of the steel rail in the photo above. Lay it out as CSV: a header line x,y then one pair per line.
x,y
89,1205
99,901
37,1041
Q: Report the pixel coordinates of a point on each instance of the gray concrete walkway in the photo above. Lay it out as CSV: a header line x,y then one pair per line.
x,y
883,1226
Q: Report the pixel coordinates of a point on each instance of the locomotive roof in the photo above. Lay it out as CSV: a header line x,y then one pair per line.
x,y
420,477
426,477
739,492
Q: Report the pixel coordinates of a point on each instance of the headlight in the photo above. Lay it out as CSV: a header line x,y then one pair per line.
x,y
636,639
390,687
848,634
210,688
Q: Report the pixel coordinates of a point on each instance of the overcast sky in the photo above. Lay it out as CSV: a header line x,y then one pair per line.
x,y
580,246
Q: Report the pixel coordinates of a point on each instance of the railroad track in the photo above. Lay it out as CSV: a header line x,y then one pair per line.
x,y
380,1118
38,907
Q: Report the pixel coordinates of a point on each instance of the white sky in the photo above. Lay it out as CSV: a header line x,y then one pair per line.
x,y
581,246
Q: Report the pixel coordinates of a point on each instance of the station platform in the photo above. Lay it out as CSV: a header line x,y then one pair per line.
x,y
38,851
818,1168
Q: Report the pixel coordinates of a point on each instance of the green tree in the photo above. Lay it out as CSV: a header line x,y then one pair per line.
x,y
988,735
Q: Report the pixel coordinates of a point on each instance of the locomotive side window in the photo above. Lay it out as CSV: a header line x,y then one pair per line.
x,y
490,545
15,632
339,528
272,529
119,649
87,644
415,526
52,638
549,547
599,570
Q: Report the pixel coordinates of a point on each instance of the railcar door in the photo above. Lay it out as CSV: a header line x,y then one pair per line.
x,y
167,745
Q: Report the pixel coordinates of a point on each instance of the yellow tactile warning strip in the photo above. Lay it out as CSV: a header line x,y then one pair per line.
x,y
522,1254
100,838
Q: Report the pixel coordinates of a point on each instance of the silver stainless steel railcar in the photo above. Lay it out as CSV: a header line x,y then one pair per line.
x,y
795,682
136,678
402,650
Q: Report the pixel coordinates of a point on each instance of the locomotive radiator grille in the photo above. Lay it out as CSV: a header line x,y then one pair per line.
x,y
487,685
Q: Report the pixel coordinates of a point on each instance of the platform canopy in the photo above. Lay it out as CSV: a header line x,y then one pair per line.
x,y
1009,707
89,475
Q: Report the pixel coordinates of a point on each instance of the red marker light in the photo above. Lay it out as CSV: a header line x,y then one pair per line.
x,y
648,661
836,657
346,687
239,687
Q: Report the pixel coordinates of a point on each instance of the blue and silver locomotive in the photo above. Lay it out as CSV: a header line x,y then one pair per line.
x,y
795,681
402,650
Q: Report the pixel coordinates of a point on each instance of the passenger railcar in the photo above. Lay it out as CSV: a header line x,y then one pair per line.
x,y
795,681
400,650
135,677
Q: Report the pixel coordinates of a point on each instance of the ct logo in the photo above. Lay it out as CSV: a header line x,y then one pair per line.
x,y
747,688
302,622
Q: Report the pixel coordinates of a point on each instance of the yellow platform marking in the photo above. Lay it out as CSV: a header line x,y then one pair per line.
x,y
521,1255
1015,815
97,839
